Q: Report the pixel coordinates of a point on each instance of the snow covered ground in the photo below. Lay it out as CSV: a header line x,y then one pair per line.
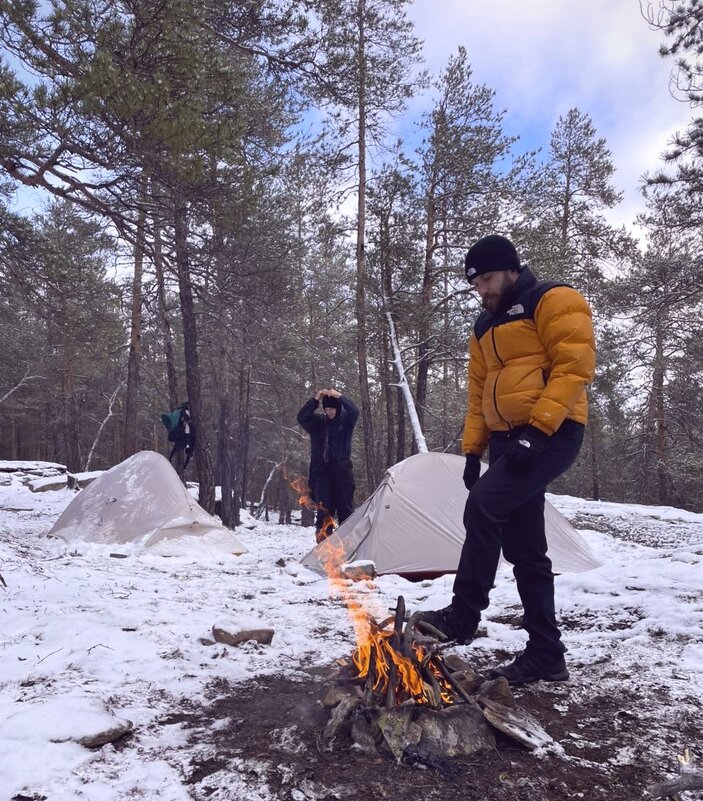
x,y
87,636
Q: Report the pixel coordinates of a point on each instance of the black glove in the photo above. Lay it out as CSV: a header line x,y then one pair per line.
x,y
526,448
472,470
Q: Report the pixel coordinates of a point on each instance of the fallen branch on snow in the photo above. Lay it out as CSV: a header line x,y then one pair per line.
x,y
684,782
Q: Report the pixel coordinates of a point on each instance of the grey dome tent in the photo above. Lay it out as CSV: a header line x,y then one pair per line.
x,y
412,524
142,502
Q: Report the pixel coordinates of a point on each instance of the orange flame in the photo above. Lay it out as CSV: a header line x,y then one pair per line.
x,y
375,648
379,646
300,485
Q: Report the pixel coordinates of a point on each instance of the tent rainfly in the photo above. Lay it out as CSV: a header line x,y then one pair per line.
x,y
142,502
412,524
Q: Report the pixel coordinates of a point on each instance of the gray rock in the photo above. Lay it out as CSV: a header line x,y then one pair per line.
x,y
496,690
358,571
264,636
120,728
339,722
395,725
458,730
362,735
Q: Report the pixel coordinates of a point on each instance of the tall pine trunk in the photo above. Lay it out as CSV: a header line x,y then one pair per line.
x,y
241,458
425,328
658,392
167,335
164,322
386,371
203,454
228,508
130,444
360,306
400,414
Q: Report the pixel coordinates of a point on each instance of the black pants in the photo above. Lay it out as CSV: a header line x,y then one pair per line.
x,y
334,489
505,510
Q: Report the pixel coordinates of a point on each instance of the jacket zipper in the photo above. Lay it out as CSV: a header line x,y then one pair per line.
x,y
495,383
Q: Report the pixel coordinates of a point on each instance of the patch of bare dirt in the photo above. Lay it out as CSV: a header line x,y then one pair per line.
x,y
612,746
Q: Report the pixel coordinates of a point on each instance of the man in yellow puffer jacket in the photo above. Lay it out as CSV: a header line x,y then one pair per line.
x,y
531,356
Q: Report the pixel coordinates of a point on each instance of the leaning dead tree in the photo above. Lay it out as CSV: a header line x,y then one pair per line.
x,y
276,467
110,413
24,381
405,388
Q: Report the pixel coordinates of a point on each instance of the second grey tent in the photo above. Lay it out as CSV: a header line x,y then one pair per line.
x,y
141,503
412,524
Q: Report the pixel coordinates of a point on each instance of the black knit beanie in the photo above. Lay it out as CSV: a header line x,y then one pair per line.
x,y
329,402
490,254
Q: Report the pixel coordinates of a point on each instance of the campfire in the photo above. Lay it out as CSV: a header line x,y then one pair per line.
x,y
401,692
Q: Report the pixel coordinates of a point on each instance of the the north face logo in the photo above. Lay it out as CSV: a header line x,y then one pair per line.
x,y
518,308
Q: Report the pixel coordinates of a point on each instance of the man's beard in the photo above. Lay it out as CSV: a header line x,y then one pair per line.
x,y
493,302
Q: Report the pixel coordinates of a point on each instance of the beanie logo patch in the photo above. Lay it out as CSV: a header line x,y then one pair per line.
x,y
470,273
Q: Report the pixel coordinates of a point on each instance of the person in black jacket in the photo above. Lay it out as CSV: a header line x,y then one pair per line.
x,y
331,478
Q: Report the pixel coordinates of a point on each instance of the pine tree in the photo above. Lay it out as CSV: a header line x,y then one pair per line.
x,y
76,310
663,299
682,25
576,240
370,52
135,92
466,179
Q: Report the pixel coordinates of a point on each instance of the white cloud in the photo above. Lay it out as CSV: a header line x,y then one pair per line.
x,y
544,57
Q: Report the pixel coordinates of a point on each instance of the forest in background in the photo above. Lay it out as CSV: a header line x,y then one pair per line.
x,y
231,216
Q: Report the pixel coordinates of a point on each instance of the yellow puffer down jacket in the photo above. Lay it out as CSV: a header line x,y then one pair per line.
x,y
530,363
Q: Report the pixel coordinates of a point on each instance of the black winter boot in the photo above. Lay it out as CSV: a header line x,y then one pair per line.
x,y
450,623
526,668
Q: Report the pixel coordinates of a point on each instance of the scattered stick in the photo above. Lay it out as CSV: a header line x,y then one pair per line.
x,y
100,645
48,655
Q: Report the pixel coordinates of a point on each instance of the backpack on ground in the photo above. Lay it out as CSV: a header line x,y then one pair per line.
x,y
180,431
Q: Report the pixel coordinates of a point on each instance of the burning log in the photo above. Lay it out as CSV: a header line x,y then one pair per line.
x,y
391,674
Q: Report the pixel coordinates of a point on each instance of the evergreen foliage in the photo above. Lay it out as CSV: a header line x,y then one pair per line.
x,y
221,145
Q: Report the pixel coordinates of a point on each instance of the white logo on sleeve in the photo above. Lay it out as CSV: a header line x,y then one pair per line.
x,y
518,308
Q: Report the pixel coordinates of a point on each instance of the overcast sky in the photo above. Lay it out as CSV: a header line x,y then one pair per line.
x,y
544,57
